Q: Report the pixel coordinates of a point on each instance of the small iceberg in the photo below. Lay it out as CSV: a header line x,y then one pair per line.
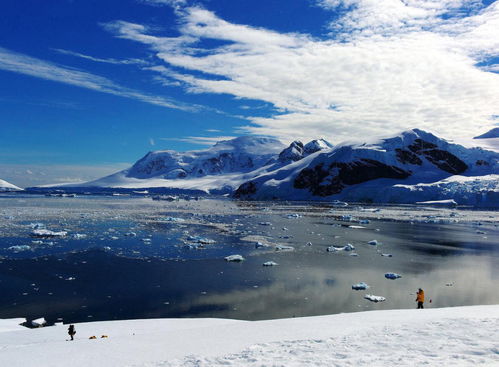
x,y
19,248
234,258
347,247
360,286
373,298
392,276
386,255
338,203
270,263
373,243
259,244
79,236
284,248
174,219
44,233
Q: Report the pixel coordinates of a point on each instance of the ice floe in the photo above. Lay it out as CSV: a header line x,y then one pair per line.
x,y
373,298
360,286
392,276
43,233
234,258
270,263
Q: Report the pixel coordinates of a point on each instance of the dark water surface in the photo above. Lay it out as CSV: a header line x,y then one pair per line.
x,y
112,273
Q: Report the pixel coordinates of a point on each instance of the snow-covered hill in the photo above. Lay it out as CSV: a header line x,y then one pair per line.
x,y
456,336
6,186
221,168
410,167
405,169
491,134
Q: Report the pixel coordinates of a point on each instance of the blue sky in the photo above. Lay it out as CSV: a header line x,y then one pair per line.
x,y
88,87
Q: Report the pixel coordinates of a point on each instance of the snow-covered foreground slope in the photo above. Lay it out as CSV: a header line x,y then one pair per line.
x,y
460,336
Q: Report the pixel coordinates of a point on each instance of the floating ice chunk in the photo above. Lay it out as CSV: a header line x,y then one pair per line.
x,y
19,248
114,238
449,284
354,254
338,203
192,246
364,221
347,218
347,247
131,234
309,243
293,216
373,243
107,248
374,298
47,233
284,248
392,276
79,236
386,255
265,223
37,242
202,240
146,241
70,278
174,219
360,286
270,263
39,322
356,227
234,258
285,229
260,244
37,225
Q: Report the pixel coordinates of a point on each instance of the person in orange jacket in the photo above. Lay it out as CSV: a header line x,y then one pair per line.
x,y
420,298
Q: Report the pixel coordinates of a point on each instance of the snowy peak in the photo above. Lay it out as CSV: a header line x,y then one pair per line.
x,y
292,153
6,186
491,134
316,145
242,154
297,150
256,145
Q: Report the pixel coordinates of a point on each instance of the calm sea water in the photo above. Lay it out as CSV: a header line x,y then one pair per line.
x,y
127,257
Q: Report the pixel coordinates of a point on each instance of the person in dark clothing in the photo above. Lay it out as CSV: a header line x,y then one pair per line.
x,y
71,331
420,298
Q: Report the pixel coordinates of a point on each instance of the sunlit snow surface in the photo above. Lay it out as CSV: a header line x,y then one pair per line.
x,y
132,257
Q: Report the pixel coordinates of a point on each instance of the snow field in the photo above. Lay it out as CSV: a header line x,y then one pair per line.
x,y
459,336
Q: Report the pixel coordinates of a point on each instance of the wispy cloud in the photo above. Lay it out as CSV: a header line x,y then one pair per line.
x,y
23,64
200,140
387,65
25,175
106,61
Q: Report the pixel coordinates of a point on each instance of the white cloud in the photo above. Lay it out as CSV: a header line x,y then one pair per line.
x,y
201,140
106,61
390,65
26,175
19,63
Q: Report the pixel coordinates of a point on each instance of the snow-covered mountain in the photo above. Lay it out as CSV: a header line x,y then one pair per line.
x,y
6,186
491,134
406,168
410,167
219,169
